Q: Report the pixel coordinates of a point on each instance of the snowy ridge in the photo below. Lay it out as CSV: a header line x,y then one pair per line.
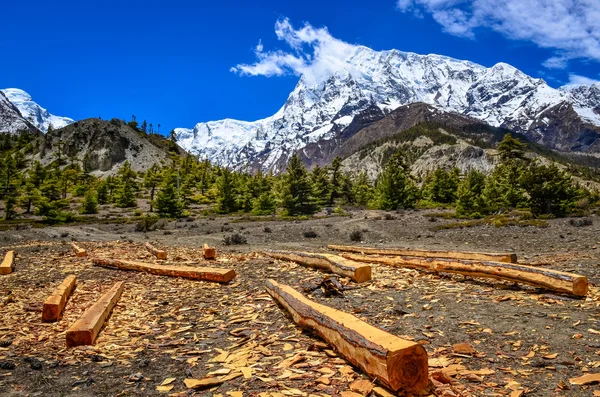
x,y
34,113
501,96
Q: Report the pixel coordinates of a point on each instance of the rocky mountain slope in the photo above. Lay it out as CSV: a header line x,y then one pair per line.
x,y
11,120
566,119
32,112
105,146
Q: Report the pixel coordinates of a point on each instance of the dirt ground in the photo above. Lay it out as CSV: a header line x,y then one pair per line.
x,y
528,342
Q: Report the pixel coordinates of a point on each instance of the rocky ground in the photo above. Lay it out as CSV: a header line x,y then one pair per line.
x,y
525,341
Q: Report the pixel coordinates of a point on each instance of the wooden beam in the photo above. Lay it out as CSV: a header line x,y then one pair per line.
x,y
159,254
85,330
328,262
482,256
209,252
80,252
54,305
6,267
397,363
194,273
555,280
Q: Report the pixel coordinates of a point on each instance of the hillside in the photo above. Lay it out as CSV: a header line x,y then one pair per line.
x,y
105,146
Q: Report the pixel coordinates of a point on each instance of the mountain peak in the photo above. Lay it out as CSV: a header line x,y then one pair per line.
x,y
34,113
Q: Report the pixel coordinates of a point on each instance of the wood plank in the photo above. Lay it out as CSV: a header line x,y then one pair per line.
x,y
555,280
397,363
80,252
329,262
7,265
55,303
209,252
195,273
159,254
85,330
482,256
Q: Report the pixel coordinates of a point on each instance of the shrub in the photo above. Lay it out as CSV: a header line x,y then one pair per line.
x,y
234,239
356,235
267,229
90,203
388,217
147,223
310,234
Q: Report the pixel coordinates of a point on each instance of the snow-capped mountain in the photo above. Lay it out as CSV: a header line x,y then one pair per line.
x,y
500,96
11,120
34,113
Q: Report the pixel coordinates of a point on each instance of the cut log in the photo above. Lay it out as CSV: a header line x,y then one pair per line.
x,y
397,363
555,280
209,252
194,273
54,305
160,254
332,263
85,330
80,252
6,267
481,256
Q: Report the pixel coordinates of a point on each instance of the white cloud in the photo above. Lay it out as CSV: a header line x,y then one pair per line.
x,y
571,27
577,79
314,53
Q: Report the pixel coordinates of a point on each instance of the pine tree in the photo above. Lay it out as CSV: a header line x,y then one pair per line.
x,y
503,188
144,126
511,148
152,179
9,207
394,188
102,192
470,200
125,194
168,203
296,195
337,180
550,190
362,190
321,189
90,202
440,186
226,192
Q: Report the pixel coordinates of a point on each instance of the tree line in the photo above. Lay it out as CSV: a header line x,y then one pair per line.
x,y
171,188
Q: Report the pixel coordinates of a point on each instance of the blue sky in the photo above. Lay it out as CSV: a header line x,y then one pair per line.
x,y
169,61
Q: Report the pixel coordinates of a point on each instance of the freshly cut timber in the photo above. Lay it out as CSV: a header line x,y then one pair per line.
x,y
85,330
6,267
397,363
481,256
555,280
209,252
54,305
332,263
194,273
160,254
80,252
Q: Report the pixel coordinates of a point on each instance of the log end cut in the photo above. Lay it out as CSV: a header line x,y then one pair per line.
x,y
408,369
580,286
80,337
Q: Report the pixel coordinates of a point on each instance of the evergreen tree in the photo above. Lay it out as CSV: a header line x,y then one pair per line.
x,y
511,148
144,126
9,207
90,202
503,188
362,190
337,180
470,201
125,194
152,179
226,194
321,189
27,195
394,188
296,195
168,203
550,190
440,186
102,192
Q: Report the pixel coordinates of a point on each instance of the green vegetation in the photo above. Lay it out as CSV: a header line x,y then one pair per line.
x,y
57,190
